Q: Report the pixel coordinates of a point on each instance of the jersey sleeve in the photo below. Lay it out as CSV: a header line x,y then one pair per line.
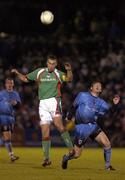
x,y
17,96
78,100
33,75
1,96
104,108
62,76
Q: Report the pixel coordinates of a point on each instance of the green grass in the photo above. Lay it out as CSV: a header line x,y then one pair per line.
x,y
89,167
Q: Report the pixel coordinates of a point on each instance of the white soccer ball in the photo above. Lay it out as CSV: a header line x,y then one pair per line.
x,y
46,17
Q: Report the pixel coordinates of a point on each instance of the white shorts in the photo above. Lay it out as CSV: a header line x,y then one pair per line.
x,y
48,109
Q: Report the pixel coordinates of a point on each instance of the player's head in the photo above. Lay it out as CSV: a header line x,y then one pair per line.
x,y
51,62
9,84
96,88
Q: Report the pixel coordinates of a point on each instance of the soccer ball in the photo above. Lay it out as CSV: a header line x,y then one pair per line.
x,y
46,17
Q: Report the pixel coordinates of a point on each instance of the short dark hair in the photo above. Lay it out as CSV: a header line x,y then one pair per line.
x,y
9,79
93,82
53,57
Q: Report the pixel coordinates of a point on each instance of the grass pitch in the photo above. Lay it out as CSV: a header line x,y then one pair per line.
x,y
89,167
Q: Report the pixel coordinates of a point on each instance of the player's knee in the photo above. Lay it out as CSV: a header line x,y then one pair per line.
x,y
61,129
6,138
45,138
77,154
107,144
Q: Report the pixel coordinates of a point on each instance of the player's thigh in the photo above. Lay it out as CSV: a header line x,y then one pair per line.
x,y
57,120
47,109
55,107
102,139
45,117
7,135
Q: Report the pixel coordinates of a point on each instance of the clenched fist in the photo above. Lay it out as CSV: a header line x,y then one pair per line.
x,y
68,66
116,99
14,71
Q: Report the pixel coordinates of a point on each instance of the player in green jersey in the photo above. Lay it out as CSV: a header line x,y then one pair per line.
x,y
49,80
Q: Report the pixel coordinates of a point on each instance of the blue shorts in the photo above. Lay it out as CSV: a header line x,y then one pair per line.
x,y
84,131
6,120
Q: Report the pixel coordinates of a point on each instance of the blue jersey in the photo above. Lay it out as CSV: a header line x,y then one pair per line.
x,y
6,108
89,108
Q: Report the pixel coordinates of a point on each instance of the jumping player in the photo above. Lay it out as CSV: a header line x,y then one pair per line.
x,y
49,80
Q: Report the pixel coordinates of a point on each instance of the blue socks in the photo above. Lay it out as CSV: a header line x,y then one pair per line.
x,y
8,146
107,156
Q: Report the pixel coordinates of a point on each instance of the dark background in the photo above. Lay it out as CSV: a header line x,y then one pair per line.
x,y
88,34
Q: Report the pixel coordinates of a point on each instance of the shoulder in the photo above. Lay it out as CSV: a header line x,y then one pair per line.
x,y
34,71
3,91
61,75
58,71
15,92
40,70
82,94
104,103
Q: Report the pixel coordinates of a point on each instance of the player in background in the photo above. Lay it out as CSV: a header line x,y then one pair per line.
x,y
9,100
49,80
89,107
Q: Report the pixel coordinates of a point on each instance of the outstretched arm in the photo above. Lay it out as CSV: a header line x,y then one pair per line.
x,y
69,74
22,77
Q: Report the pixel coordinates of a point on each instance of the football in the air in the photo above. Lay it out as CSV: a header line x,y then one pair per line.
x,y
47,17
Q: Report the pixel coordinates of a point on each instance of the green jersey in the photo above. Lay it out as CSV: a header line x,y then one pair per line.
x,y
49,83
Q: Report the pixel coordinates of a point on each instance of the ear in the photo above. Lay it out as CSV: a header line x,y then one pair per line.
x,y
56,63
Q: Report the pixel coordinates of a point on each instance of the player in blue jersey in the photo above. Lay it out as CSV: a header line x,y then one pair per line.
x,y
89,107
9,100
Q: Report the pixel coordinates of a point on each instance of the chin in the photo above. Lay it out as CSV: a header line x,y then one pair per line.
x,y
50,71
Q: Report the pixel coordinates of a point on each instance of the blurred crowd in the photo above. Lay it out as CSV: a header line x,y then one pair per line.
x,y
95,46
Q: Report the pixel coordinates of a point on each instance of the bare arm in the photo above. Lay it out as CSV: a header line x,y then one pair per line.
x,y
22,77
69,74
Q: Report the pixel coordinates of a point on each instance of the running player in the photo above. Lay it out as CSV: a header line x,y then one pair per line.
x,y
88,108
9,99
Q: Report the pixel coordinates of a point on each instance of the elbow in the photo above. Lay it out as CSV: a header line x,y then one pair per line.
x,y
24,78
69,79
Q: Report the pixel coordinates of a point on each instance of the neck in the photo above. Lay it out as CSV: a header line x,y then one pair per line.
x,y
96,94
50,71
9,90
